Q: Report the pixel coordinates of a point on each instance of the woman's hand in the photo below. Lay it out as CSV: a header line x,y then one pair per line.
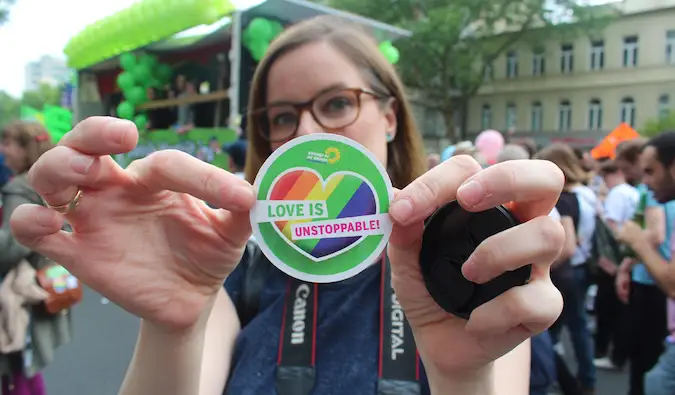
x,y
451,346
623,279
139,236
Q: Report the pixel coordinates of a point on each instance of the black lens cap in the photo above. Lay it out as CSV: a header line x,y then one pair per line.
x,y
451,234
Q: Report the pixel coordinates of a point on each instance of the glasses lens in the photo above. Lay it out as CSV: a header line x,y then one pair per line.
x,y
337,109
281,121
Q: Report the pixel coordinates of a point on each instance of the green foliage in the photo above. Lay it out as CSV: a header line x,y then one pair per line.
x,y
10,107
659,125
453,42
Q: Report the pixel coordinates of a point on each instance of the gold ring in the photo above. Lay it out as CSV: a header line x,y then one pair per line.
x,y
68,207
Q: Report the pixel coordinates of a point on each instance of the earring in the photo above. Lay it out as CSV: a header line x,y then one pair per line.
x,y
390,137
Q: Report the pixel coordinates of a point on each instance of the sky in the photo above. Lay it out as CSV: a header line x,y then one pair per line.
x,y
43,27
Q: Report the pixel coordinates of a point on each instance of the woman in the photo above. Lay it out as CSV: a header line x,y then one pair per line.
x,y
571,270
143,238
22,144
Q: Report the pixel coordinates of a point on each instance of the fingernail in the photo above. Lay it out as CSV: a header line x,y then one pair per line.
x,y
117,130
470,270
81,164
471,193
401,210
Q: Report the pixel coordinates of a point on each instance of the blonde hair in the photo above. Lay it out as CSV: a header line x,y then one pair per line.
x,y
32,137
405,155
565,158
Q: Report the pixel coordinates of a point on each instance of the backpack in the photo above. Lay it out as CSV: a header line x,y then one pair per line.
x,y
604,245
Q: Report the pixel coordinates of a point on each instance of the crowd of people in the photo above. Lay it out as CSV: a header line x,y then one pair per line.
x,y
604,200
188,268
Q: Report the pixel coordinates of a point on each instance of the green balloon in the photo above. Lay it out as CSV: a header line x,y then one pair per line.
x,y
164,72
259,29
127,61
141,122
142,74
149,61
136,95
389,51
276,28
125,110
258,50
125,81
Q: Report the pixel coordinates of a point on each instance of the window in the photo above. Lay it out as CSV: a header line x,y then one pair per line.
x,y
512,64
538,63
486,117
628,111
511,116
597,55
664,106
566,58
564,116
630,51
670,46
536,117
488,73
595,115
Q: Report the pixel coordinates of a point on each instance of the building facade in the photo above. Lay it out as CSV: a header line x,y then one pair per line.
x,y
47,69
585,87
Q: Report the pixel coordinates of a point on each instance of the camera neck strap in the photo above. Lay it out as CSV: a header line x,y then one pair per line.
x,y
398,367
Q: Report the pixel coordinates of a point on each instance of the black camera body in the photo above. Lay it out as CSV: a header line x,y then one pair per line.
x,y
451,234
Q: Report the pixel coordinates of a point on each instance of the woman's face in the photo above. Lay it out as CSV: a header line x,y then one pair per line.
x,y
15,155
318,70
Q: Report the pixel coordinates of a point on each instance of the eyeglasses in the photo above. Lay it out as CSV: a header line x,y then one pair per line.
x,y
333,110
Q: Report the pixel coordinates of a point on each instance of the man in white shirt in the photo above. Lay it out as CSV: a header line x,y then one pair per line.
x,y
622,198
619,207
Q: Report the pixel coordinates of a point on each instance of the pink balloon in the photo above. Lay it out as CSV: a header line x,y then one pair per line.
x,y
490,144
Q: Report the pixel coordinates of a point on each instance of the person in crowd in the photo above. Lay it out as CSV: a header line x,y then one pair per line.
x,y
529,144
570,273
433,160
611,334
658,165
636,287
191,327
185,112
512,152
237,157
628,160
23,144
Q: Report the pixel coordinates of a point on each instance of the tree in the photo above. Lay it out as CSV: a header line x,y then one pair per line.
x,y
453,43
4,10
10,107
45,94
659,125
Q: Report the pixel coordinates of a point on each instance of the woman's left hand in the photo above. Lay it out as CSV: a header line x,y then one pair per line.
x,y
451,346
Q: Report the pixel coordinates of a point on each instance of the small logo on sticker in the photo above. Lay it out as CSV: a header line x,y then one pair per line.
x,y
330,156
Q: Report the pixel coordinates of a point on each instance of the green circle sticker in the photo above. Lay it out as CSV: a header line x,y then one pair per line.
x,y
322,208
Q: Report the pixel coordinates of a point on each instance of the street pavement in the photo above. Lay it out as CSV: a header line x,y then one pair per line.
x,y
95,363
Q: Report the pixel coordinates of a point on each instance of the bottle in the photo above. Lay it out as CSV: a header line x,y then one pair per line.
x,y
638,218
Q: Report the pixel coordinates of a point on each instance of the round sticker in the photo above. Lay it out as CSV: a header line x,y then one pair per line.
x,y
322,208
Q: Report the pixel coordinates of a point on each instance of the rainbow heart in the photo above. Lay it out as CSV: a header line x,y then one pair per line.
x,y
346,195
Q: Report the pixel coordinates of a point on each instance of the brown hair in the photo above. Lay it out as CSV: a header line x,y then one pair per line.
x,y
563,156
405,155
608,167
32,137
630,150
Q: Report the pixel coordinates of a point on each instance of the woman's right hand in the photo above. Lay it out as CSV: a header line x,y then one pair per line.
x,y
142,236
